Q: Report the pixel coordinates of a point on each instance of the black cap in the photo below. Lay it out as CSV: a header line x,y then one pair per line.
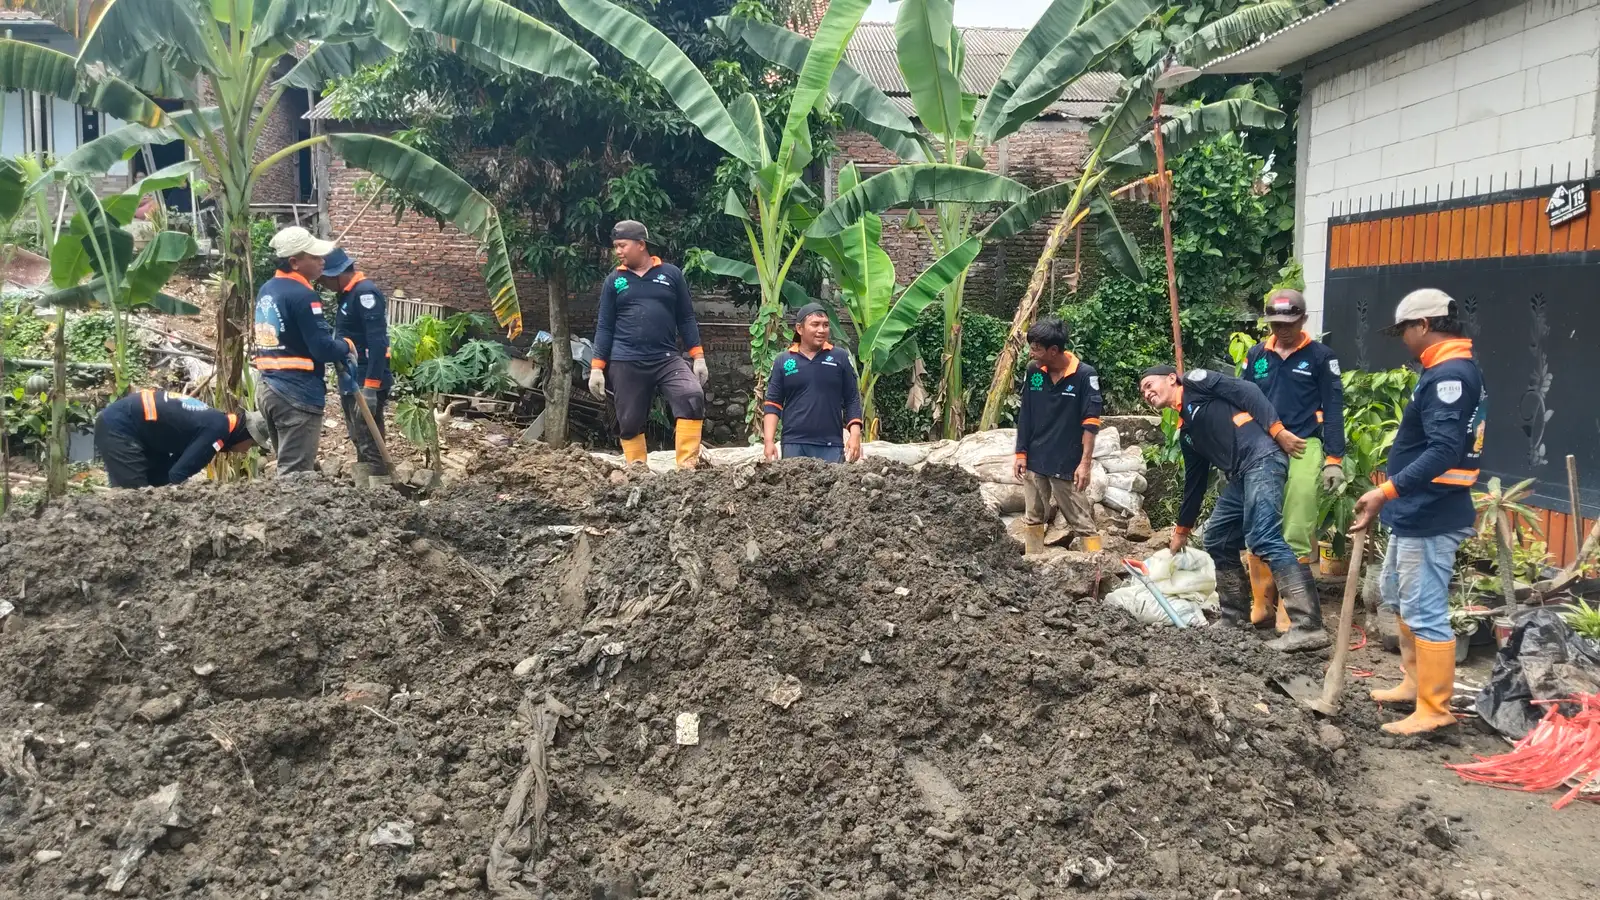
x,y
1286,305
809,310
629,230
1158,370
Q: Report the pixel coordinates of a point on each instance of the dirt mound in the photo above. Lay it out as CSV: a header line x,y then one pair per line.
x,y
772,682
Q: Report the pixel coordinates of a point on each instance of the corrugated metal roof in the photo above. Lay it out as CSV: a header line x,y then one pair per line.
x,y
19,15
872,53
1340,21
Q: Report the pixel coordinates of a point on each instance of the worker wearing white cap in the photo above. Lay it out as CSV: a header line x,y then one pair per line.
x,y
293,343
1427,504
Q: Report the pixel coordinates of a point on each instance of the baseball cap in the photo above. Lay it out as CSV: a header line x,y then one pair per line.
x,y
809,310
256,424
1286,305
337,263
1427,303
294,240
629,230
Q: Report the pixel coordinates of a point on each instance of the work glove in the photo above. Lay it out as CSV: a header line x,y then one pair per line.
x,y
700,370
597,383
1332,477
371,396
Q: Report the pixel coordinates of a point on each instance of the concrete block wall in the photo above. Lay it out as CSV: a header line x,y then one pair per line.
x,y
1484,94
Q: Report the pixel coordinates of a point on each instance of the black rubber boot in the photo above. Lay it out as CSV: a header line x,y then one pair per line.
x,y
1233,596
1297,591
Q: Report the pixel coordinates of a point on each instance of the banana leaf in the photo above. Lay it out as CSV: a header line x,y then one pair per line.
x,y
1052,28
811,86
927,61
1198,125
155,44
794,296
1115,242
1070,59
13,189
31,67
881,339
99,155
906,185
490,27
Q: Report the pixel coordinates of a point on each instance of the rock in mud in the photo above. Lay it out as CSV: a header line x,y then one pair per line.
x,y
160,709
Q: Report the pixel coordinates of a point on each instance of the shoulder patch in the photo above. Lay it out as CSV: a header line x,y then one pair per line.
x,y
1094,382
1448,391
369,300
316,307
1333,366
1198,375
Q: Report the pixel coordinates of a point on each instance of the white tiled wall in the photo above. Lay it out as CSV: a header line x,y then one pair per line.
x,y
1514,92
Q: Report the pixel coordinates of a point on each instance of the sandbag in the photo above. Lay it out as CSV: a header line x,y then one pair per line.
x,y
663,461
1188,581
1544,660
1123,501
989,455
732,456
1107,443
1137,602
1131,459
1003,499
1132,482
905,454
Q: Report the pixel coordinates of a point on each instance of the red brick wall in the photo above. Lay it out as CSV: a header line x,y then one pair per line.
x,y
1039,155
281,183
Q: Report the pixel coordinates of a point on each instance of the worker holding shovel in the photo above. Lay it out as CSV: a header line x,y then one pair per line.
x,y
1056,428
1229,424
1301,378
1427,504
362,318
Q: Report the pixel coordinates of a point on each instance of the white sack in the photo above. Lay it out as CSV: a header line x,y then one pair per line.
x,y
1107,443
1002,499
1123,501
732,456
1188,581
1131,459
905,454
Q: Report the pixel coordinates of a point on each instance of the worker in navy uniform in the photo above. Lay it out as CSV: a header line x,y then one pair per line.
x,y
293,344
1227,423
362,318
154,438
813,389
1056,429
1301,378
1427,504
644,310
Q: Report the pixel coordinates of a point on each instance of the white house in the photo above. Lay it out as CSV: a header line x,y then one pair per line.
x,y
33,123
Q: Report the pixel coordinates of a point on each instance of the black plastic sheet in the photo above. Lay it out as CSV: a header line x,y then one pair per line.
x,y
1544,660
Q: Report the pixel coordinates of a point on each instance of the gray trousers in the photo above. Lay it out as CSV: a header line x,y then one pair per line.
x,y
367,450
295,432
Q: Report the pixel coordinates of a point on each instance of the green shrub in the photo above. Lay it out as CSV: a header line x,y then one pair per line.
x,y
982,338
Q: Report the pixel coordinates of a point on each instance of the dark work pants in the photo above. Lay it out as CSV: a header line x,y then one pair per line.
x,y
813,451
367,450
296,432
633,386
128,464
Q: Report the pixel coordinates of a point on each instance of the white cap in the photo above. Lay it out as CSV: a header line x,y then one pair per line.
x,y
294,240
1427,303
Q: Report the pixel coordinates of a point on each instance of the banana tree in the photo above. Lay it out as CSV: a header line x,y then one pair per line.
x,y
13,194
219,57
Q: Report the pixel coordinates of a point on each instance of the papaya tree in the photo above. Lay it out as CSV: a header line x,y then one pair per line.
x,y
231,62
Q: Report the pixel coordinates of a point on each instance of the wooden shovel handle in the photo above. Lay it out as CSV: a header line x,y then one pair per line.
x,y
1333,681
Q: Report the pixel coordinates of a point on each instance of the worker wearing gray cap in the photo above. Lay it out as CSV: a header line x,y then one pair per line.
x,y
1427,504
644,310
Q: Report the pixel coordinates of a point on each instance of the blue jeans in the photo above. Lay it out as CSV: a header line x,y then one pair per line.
x,y
813,451
1416,582
1249,513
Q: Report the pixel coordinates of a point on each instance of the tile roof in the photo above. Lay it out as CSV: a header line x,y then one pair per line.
x,y
872,53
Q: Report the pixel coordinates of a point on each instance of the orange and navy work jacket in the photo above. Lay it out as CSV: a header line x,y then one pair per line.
x,y
816,397
643,316
1305,387
1226,423
363,320
1435,458
1058,408
179,434
294,341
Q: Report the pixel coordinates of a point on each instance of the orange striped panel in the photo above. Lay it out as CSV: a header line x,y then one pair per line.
x,y
1578,234
1513,229
1245,418
1453,477
1430,241
1469,233
1384,227
1352,246
1485,231
1336,247
1559,236
1541,236
1447,230
1370,239
1594,233
1558,534
1408,231
148,398
1532,212
1458,233
1396,240
1497,231
1419,238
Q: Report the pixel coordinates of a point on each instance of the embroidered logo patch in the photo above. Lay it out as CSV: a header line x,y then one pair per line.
x,y
1094,382
1448,391
1197,375
1261,367
1333,366
1037,381
790,367
621,284
369,301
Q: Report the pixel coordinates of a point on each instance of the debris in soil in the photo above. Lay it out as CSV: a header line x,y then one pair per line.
x,y
502,670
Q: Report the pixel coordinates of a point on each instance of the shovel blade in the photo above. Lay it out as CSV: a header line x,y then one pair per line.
x,y
1306,691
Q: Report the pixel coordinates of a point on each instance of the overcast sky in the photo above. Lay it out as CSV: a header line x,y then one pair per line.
x,y
1012,13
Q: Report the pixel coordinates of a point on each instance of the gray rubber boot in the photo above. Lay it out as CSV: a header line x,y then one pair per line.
x,y
360,473
1233,596
1297,591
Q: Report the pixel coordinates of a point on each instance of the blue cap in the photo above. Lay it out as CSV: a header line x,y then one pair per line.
x,y
337,263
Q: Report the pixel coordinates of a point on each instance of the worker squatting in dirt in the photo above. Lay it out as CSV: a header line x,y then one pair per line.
x,y
154,438
1056,429
644,309
813,389
293,344
1427,504
1301,379
362,319
1229,424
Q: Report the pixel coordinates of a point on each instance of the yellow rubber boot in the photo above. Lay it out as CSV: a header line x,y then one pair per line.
x,y
634,450
688,442
1436,683
1263,592
1406,690
1033,539
1089,543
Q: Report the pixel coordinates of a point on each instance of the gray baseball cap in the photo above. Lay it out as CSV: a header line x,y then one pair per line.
x,y
1427,303
629,230
1286,305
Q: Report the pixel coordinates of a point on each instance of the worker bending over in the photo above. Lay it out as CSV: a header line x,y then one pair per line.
x,y
644,309
813,389
1056,428
154,438
1227,423
1300,377
362,318
1427,504
293,343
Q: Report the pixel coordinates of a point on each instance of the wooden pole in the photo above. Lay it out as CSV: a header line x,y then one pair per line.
x,y
1577,507
1165,190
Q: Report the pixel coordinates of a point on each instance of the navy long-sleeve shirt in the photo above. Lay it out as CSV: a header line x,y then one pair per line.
x,y
1305,388
1434,461
815,398
179,434
294,342
363,319
1054,417
1226,423
643,316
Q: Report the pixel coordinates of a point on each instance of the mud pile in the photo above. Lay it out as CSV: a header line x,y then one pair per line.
x,y
553,681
